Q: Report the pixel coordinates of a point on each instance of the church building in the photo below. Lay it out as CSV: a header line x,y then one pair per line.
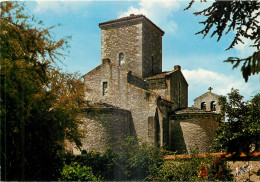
x,y
129,94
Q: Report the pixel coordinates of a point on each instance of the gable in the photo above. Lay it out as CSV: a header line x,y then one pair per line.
x,y
206,95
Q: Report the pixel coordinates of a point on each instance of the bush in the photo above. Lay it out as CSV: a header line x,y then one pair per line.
x,y
101,164
194,169
141,161
220,170
135,161
76,172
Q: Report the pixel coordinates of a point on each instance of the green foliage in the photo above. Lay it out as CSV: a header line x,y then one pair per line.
x,y
241,17
130,161
76,172
194,169
242,126
135,161
178,170
39,103
220,170
101,164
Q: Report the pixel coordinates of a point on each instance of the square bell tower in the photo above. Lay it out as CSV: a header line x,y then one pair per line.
x,y
133,43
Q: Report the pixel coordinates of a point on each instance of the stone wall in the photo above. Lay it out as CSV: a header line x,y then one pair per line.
x,y
171,86
139,40
160,86
208,97
103,128
125,37
178,90
245,170
152,50
140,102
134,80
189,130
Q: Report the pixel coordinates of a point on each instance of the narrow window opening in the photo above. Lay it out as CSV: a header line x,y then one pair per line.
x,y
121,59
213,106
104,88
203,106
179,94
152,65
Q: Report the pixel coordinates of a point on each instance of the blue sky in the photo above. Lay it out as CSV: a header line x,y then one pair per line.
x,y
201,59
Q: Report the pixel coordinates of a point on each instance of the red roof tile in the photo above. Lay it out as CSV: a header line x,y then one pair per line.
x,y
185,156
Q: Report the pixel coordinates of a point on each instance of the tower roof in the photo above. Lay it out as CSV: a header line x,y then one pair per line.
x,y
206,94
131,17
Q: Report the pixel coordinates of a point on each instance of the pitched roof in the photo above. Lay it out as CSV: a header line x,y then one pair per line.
x,y
207,94
191,110
131,17
159,76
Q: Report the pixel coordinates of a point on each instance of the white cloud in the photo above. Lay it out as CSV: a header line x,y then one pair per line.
x,y
244,50
200,80
158,11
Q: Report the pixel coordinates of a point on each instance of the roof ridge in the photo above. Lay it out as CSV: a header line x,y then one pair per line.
x,y
205,94
132,16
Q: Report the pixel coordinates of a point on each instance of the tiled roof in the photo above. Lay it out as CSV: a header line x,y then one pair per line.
x,y
223,155
192,110
158,76
132,16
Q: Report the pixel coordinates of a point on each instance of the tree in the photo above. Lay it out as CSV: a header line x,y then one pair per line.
x,y
241,17
39,103
136,160
242,127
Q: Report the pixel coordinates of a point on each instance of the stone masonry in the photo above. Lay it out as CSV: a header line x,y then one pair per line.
x,y
128,94
209,100
192,128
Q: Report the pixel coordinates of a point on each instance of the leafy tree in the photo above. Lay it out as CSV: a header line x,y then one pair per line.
x,y
241,17
136,161
39,103
242,127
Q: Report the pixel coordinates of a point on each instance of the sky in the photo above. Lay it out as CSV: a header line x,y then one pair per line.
x,y
201,60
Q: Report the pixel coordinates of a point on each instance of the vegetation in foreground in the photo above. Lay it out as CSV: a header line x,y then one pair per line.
x,y
144,162
39,103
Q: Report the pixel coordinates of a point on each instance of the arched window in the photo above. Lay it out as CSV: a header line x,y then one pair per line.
x,y
121,59
203,106
213,106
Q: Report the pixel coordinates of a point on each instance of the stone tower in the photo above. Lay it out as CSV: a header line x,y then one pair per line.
x,y
128,94
133,42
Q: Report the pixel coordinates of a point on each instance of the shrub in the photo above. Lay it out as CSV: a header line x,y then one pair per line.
x,y
75,172
134,161
194,169
101,164
220,170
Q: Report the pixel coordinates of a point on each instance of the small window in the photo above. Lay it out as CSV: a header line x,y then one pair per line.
x,y
203,106
104,88
213,106
152,64
121,59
